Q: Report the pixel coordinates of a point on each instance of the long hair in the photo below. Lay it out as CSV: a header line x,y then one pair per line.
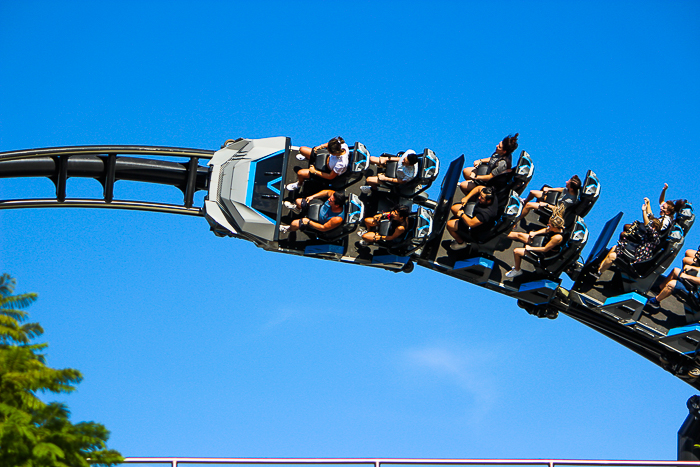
x,y
557,219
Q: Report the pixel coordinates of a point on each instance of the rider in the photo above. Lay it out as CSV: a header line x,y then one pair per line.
x,y
645,249
337,162
568,198
405,171
331,214
485,211
399,223
553,235
499,163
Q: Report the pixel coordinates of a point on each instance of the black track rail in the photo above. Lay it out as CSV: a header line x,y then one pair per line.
x,y
107,165
655,352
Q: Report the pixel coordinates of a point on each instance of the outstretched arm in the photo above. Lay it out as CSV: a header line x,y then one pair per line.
x,y
646,211
324,175
692,279
332,223
554,241
662,196
400,230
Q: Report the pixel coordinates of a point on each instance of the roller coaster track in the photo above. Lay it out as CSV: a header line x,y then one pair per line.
x,y
108,164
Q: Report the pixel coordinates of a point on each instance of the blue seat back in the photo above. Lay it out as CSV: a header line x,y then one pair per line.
x,y
588,194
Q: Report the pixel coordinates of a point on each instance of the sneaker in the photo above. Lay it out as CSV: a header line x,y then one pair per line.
x,y
284,228
366,189
454,245
292,207
300,157
654,303
513,273
361,232
292,186
362,243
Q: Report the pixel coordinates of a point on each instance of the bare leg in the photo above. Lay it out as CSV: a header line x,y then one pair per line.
x,y
467,186
378,161
452,227
371,237
666,291
467,173
534,194
607,262
373,181
518,254
306,152
674,275
294,225
371,222
519,236
303,175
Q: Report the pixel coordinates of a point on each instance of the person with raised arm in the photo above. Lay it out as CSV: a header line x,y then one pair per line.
x,y
650,238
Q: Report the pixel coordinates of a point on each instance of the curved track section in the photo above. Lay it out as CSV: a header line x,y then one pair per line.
x,y
108,164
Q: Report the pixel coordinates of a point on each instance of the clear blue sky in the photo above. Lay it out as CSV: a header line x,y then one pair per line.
x,y
193,345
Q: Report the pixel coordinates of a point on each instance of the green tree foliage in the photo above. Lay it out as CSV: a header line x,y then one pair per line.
x,y
33,433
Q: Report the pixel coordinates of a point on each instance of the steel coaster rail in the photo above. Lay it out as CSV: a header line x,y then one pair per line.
x,y
165,151
98,203
108,164
174,461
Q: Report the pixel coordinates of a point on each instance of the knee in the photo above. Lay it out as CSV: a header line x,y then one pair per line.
x,y
519,252
670,286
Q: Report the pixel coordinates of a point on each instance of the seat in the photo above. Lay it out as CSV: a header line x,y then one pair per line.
x,y
690,300
354,213
588,194
513,180
420,225
557,260
427,172
358,161
522,174
685,217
